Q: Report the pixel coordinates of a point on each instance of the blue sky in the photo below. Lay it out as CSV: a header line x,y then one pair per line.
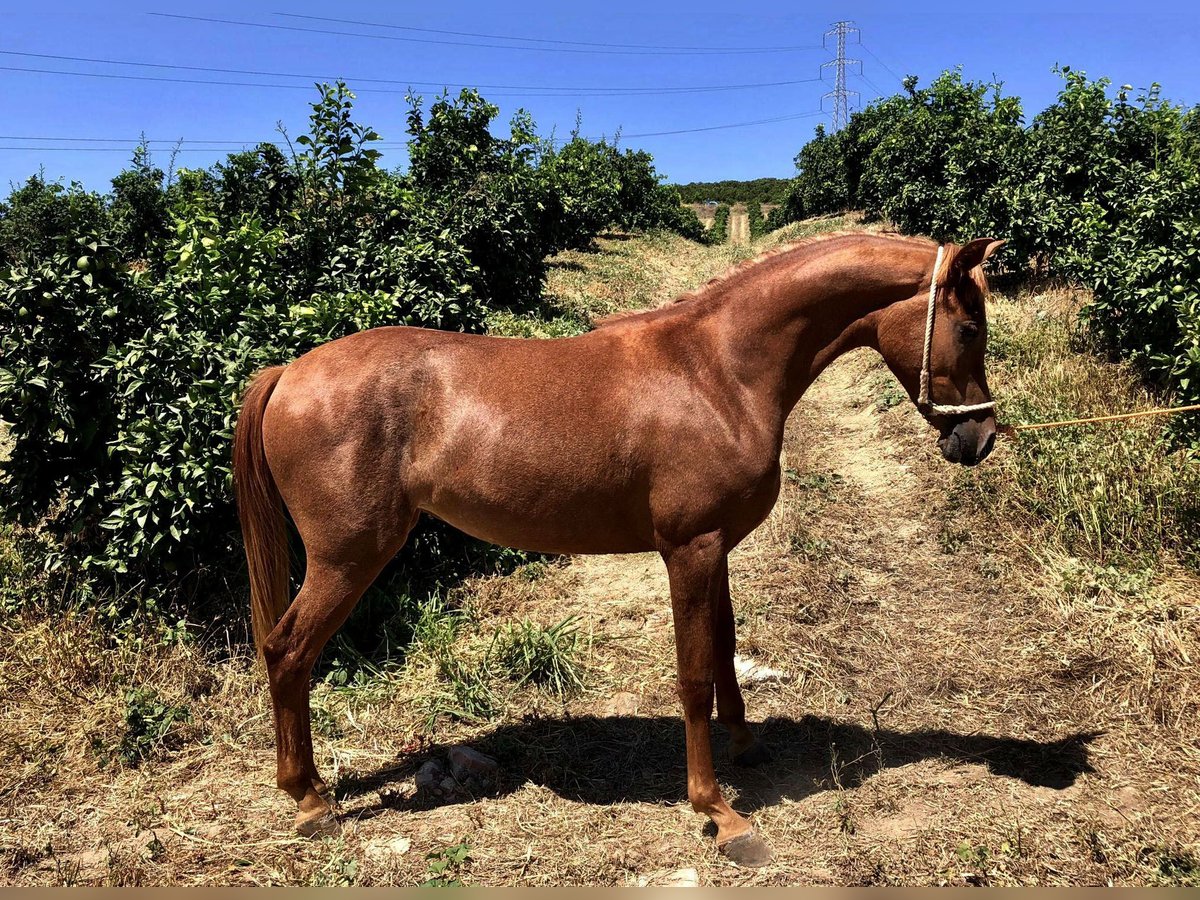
x,y
1017,42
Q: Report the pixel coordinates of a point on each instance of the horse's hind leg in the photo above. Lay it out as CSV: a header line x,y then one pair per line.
x,y
744,747
333,584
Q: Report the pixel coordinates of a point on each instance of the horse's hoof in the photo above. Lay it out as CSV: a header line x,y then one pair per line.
x,y
318,824
755,755
747,850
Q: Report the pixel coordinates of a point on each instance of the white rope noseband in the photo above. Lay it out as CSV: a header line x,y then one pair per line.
x,y
923,401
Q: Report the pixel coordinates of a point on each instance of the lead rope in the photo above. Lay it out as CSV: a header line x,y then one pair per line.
x,y
923,401
1157,411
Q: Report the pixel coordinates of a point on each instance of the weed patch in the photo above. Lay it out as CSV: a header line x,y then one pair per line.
x,y
446,866
546,656
150,724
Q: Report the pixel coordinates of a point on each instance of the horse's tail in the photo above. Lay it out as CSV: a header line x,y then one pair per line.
x,y
260,510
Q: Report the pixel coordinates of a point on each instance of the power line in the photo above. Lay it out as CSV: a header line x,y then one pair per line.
x,y
225,145
164,78
308,87
882,63
393,37
533,90
878,91
227,142
127,149
506,37
237,145
18,137
789,118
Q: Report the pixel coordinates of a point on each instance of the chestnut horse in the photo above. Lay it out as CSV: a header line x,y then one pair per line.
x,y
656,431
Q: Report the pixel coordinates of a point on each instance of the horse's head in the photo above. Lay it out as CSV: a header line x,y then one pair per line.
x,y
953,395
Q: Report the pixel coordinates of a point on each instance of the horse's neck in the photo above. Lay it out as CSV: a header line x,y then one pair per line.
x,y
781,330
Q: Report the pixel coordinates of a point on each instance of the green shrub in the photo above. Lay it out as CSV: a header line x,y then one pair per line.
x,y
150,724
1100,189
646,203
581,185
59,318
1146,279
446,866
757,222
757,190
129,324
41,218
718,232
141,218
820,184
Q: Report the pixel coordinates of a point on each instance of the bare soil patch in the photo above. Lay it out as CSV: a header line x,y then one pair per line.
x,y
739,225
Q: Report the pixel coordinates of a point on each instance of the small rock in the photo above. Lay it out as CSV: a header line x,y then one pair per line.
x,y
682,878
383,848
657,619
622,703
430,775
678,878
467,764
751,672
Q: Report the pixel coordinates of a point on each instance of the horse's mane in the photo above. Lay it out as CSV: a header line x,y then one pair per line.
x,y
741,269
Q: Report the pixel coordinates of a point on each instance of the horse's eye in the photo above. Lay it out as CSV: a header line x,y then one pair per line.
x,y
968,331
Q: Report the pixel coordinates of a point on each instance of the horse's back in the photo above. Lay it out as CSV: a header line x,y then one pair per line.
x,y
510,440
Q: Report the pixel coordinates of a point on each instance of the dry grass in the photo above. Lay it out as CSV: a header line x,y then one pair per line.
x,y
976,697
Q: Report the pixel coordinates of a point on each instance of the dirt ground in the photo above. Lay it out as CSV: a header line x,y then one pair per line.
x,y
739,225
947,716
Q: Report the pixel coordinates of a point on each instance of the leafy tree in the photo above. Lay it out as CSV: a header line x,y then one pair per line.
x,y
820,183
1100,189
757,190
130,323
40,218
138,206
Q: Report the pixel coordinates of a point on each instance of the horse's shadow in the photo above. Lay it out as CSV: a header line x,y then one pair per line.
x,y
605,760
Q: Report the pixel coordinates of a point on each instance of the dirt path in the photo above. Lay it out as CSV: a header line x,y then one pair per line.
x,y
739,225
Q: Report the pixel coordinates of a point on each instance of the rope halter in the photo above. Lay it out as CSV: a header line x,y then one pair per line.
x,y
923,401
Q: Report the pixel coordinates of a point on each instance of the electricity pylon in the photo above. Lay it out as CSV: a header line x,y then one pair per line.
x,y
840,95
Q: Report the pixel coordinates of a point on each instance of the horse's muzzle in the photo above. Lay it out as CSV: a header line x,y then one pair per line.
x,y
969,442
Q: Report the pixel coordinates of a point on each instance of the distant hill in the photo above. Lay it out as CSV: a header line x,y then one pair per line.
x,y
762,190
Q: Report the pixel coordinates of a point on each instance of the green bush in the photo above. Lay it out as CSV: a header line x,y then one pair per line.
x,y
1099,189
758,190
718,232
645,203
139,208
820,185
59,317
149,724
757,222
41,218
129,324
581,186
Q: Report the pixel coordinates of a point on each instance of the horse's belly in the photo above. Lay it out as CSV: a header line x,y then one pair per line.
x,y
545,526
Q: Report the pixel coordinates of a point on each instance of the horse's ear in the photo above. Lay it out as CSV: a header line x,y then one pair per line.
x,y
974,253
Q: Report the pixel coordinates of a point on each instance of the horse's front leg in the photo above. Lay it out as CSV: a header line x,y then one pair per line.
x,y
744,748
695,573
